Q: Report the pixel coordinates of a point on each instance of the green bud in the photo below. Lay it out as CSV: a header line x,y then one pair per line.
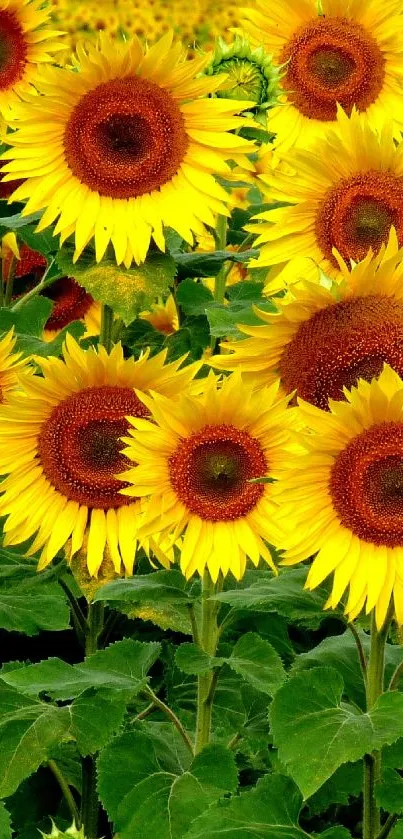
x,y
70,833
251,74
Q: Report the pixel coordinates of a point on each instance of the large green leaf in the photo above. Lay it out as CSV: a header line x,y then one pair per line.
x,y
340,652
96,715
283,594
253,658
29,602
151,793
269,811
161,586
29,322
344,784
122,666
389,793
5,823
315,732
126,290
28,732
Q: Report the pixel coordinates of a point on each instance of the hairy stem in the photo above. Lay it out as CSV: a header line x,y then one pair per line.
x,y
171,716
372,762
206,682
89,800
68,796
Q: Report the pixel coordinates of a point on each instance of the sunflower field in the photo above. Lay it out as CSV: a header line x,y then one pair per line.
x,y
201,419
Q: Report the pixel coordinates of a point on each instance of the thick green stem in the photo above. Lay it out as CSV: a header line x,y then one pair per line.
x,y
206,683
89,800
372,762
105,337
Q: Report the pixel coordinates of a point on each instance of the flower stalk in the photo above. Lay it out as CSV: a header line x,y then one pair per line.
x,y
206,682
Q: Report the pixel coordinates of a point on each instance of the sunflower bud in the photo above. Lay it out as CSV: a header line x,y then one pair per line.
x,y
251,74
70,833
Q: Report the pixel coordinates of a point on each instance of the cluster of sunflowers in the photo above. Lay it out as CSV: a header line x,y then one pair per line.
x,y
120,147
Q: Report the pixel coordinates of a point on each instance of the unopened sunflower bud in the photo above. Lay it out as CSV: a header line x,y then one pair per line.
x,y
251,74
71,833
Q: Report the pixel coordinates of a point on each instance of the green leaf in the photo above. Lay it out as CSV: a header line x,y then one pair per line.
x,y
269,811
192,660
258,663
161,586
28,732
29,602
168,804
389,793
17,221
315,732
5,823
122,666
200,264
136,755
340,652
253,658
224,319
126,290
96,715
397,830
335,832
43,242
193,297
344,784
283,594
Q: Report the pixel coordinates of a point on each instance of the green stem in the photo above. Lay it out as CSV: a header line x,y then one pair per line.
x,y
220,280
206,682
89,800
10,282
105,337
171,716
44,283
372,762
68,796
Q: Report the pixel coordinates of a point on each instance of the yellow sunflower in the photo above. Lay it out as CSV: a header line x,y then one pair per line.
x,y
25,44
346,192
195,462
128,143
60,449
71,302
343,497
11,364
321,340
337,51
163,316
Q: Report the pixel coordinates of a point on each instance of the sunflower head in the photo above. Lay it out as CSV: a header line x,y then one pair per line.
x,y
344,193
71,302
11,365
338,52
129,145
25,43
163,316
343,498
250,72
60,450
323,339
71,832
197,463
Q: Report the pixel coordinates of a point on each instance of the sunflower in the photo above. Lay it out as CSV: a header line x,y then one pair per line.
x,y
339,51
346,192
11,364
163,316
321,339
196,462
60,449
343,497
25,44
128,145
71,302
